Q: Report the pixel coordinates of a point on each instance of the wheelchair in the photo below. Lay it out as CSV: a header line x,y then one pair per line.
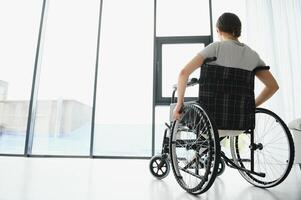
x,y
263,152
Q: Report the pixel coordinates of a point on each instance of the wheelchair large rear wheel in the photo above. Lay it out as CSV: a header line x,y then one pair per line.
x,y
194,150
273,150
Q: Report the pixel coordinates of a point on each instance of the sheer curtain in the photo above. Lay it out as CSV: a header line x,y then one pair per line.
x,y
273,29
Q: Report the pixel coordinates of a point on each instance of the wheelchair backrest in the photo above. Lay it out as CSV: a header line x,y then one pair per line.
x,y
227,94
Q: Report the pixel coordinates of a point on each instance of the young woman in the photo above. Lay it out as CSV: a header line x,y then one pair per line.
x,y
229,53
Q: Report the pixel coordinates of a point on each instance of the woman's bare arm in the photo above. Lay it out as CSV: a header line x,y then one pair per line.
x,y
271,86
195,63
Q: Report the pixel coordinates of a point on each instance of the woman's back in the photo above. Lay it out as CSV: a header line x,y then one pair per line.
x,y
232,53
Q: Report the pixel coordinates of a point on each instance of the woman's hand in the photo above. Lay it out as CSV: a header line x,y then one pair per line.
x,y
195,63
177,112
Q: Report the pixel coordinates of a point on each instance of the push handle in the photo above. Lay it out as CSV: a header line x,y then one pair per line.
x,y
260,68
190,82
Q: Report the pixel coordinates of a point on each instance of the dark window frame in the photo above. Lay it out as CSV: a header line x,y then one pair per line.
x,y
160,41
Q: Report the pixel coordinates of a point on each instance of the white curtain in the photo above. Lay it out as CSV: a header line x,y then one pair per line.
x,y
273,29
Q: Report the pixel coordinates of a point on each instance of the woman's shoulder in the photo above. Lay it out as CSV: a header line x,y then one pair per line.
x,y
213,44
251,50
255,56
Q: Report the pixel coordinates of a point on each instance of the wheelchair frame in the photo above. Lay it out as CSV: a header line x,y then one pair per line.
x,y
164,159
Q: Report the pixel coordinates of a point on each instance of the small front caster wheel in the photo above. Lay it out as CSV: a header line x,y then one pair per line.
x,y
159,166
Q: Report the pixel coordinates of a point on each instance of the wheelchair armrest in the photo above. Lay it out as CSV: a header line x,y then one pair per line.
x,y
260,68
190,82
209,59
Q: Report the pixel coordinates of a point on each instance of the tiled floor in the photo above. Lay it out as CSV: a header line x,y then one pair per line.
x,y
105,179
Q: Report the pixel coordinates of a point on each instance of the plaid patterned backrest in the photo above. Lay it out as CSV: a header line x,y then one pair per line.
x,y
227,94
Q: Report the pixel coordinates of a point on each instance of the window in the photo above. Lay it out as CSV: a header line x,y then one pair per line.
x,y
124,95
174,58
183,18
172,54
19,21
65,95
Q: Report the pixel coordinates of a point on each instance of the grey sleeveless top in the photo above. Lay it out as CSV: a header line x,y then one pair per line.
x,y
231,53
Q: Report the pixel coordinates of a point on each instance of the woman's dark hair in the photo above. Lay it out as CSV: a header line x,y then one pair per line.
x,y
229,23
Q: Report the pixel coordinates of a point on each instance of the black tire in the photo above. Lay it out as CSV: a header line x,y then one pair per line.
x,y
194,150
221,167
159,166
275,155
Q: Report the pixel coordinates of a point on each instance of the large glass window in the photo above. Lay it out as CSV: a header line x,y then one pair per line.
x,y
183,17
19,22
124,96
62,108
65,95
